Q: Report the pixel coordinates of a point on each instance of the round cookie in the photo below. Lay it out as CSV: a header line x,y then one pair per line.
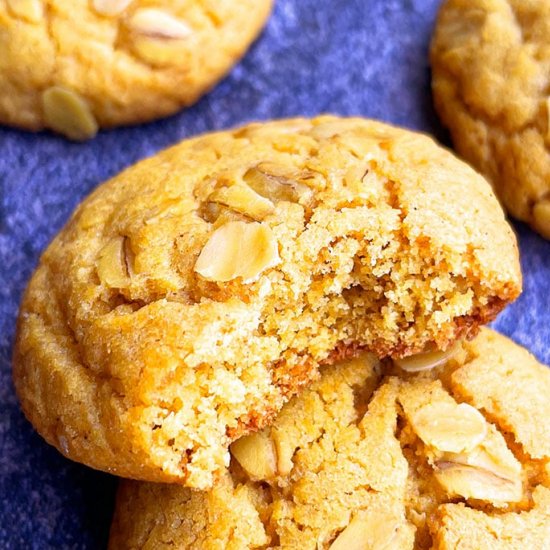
x,y
188,298
491,81
75,66
372,456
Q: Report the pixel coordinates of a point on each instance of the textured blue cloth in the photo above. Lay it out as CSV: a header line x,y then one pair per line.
x,y
366,57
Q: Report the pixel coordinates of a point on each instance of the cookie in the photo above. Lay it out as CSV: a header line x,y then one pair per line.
x,y
75,66
452,457
188,298
491,67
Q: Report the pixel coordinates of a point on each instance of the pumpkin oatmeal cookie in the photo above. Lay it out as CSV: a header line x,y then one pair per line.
x,y
74,66
191,296
491,84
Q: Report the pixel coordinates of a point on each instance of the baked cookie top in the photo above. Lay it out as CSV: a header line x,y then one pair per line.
x,y
188,298
73,66
373,456
491,82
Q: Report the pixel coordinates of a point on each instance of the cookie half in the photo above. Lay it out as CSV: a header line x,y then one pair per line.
x,y
456,456
75,66
491,67
188,298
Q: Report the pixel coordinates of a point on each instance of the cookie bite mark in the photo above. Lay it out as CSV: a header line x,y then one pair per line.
x,y
344,351
252,422
207,285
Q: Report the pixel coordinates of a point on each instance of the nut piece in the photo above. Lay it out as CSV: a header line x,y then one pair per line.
x,y
467,481
158,24
218,214
256,454
112,266
238,249
30,10
370,531
450,427
541,217
330,128
489,472
110,8
285,451
426,361
243,199
278,183
68,113
157,36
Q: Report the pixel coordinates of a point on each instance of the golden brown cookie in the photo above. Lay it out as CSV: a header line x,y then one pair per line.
x,y
491,84
452,457
76,65
188,298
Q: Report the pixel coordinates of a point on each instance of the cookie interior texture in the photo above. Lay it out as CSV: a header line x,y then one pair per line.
x,y
76,65
491,76
456,457
190,297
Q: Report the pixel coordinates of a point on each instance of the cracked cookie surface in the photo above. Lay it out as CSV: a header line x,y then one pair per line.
x,y
191,296
75,66
491,85
373,457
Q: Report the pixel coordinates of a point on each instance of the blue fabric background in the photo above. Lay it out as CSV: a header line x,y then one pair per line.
x,y
366,57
